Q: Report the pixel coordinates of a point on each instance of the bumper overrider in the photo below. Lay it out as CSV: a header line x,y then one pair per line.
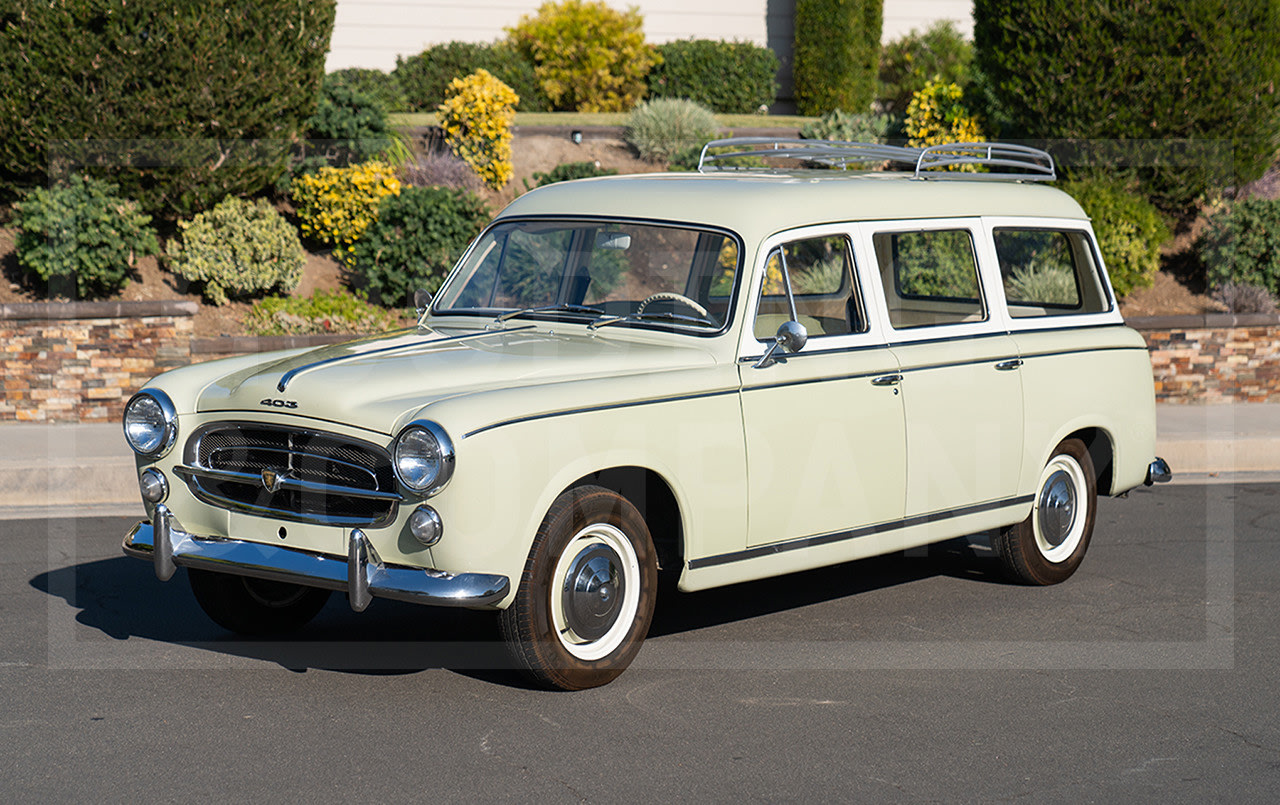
x,y
362,574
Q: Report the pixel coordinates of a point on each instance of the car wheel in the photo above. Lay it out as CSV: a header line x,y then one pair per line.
x,y
255,606
1048,546
586,596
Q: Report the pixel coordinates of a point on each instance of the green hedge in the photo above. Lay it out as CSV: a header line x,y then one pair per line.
x,y
384,88
1181,70
909,62
167,89
425,77
725,77
1241,245
1130,231
837,54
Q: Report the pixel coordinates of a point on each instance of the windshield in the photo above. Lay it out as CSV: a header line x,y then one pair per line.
x,y
626,273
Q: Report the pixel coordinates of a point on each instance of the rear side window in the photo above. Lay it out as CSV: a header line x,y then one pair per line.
x,y
930,277
1049,272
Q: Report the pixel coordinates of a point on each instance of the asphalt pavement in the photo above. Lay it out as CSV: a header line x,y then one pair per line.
x,y
1147,677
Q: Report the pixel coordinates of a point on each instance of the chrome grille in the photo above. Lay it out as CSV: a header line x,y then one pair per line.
x,y
291,474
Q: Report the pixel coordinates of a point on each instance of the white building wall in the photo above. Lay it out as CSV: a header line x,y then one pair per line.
x,y
371,33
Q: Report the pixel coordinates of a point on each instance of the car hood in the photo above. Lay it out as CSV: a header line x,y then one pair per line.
x,y
377,383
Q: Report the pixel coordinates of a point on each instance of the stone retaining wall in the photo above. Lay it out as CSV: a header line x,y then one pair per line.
x,y
1214,358
81,361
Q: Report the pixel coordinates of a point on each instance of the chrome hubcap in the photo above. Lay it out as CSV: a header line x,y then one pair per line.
x,y
1057,508
594,589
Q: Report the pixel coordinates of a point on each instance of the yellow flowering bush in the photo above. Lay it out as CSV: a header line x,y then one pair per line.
x,y
937,115
336,205
588,56
476,116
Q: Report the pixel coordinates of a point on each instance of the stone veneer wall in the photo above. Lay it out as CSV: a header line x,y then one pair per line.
x,y
1215,358
81,361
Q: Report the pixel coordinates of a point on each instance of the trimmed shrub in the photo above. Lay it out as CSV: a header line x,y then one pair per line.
x,y
1242,245
941,53
845,127
726,77
937,115
1129,228
175,88
837,54
441,170
81,238
588,57
384,88
476,118
1043,281
425,77
349,126
568,171
417,238
663,127
1239,297
237,248
322,312
1195,71
336,205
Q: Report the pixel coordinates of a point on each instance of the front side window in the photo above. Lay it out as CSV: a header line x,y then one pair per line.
x,y
822,286
1049,272
648,274
930,277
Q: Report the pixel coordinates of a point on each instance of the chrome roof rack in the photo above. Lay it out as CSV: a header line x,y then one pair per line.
x,y
1000,161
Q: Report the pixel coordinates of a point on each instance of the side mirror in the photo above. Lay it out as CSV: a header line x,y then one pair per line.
x,y
790,338
421,300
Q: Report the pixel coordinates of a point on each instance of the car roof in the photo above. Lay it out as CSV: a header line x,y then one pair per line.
x,y
759,204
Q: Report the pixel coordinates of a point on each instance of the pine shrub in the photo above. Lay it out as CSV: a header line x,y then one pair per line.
x,y
1130,231
426,76
837,54
1241,245
1194,72
588,56
663,127
81,238
180,104
726,77
417,238
237,248
476,118
336,205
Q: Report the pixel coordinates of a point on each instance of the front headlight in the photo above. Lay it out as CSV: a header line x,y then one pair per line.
x,y
423,457
150,423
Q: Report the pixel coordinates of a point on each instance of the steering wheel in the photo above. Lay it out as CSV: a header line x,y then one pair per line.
x,y
673,297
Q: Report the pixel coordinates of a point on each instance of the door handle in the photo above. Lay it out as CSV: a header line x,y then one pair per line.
x,y
887,380
1008,366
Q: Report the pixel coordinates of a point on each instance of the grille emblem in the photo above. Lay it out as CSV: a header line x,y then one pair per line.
x,y
272,480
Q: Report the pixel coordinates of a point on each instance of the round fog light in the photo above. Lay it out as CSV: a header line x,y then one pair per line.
x,y
426,526
154,486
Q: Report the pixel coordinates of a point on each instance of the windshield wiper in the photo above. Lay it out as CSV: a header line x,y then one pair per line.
x,y
511,314
663,316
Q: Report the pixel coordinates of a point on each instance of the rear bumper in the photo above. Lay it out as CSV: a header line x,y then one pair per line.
x,y
362,574
1158,472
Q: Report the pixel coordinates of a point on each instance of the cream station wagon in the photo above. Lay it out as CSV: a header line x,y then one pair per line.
x,y
741,372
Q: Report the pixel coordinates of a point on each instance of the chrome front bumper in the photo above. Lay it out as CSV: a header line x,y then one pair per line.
x,y
362,575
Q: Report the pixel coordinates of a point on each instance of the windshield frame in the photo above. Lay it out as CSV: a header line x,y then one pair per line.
x,y
490,313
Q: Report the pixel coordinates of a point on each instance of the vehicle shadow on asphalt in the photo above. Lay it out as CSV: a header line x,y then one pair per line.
x,y
120,598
